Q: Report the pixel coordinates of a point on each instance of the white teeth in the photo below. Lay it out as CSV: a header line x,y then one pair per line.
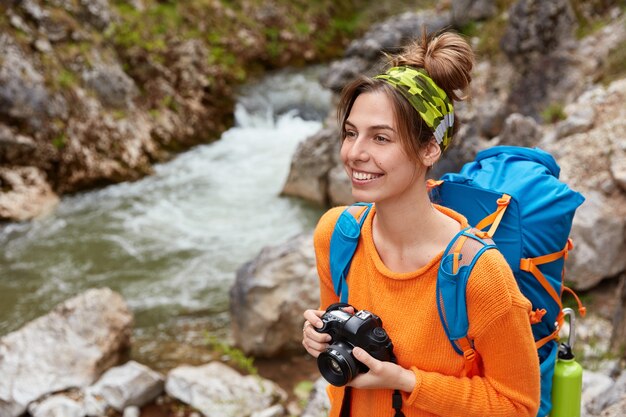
x,y
362,176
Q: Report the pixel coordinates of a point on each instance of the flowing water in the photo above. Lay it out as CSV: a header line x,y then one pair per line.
x,y
171,243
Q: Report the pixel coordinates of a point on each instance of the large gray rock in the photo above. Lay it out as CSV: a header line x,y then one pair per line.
x,y
215,389
113,86
310,165
586,158
536,28
69,347
599,244
269,295
539,42
520,130
23,94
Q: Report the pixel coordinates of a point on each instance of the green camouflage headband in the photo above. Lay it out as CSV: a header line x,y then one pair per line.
x,y
430,101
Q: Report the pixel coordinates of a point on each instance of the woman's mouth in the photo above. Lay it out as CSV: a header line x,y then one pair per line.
x,y
364,176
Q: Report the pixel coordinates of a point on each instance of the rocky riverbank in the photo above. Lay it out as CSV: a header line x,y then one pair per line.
x,y
574,108
94,92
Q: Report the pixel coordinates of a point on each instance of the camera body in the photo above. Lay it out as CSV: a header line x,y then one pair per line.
x,y
363,329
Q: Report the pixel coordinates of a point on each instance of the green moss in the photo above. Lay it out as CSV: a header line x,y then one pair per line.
x,y
118,114
553,113
59,141
170,103
65,79
274,45
232,355
302,28
491,33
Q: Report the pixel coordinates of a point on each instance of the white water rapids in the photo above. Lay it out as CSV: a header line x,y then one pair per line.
x,y
171,243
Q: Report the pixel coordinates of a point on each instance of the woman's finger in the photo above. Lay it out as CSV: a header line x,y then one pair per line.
x,y
313,317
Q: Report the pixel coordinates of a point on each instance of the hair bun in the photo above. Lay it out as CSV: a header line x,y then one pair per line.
x,y
447,58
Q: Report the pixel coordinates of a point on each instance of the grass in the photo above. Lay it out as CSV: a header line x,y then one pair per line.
x,y
66,79
553,113
59,141
232,355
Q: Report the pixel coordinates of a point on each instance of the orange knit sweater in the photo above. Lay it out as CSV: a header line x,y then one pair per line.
x,y
498,315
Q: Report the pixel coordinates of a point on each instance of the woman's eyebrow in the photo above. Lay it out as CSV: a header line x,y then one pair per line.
x,y
383,127
374,127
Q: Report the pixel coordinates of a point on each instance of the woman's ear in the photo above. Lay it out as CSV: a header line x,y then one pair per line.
x,y
431,153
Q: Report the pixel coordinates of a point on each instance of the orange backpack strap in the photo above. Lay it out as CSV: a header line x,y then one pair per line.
x,y
494,218
531,265
357,212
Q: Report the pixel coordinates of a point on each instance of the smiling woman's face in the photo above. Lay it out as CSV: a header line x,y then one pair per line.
x,y
372,153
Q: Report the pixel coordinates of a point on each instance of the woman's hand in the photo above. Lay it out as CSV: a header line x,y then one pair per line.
x,y
382,374
314,342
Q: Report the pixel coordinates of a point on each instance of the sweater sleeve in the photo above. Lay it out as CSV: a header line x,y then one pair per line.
x,y
509,384
321,242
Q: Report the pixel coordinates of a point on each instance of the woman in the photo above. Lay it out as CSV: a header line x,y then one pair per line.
x,y
395,127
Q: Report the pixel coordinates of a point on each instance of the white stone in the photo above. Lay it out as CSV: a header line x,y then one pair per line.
x,y
214,389
276,410
69,347
132,411
128,385
595,387
56,406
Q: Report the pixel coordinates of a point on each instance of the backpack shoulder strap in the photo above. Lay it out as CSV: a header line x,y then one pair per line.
x,y
343,243
454,271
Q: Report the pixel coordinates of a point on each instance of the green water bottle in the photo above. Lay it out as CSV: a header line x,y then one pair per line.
x,y
567,383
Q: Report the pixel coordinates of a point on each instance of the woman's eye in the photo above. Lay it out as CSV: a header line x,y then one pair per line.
x,y
349,134
381,139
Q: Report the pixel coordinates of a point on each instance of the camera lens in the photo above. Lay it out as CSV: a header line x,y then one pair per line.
x,y
337,365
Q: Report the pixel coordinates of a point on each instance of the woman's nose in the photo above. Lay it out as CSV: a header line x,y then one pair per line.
x,y
358,150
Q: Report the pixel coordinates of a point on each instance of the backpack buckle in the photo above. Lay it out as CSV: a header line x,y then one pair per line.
x,y
504,200
469,355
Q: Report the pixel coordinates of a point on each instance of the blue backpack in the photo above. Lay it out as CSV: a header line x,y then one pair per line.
x,y
515,201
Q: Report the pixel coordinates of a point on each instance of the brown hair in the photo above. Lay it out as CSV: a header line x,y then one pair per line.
x,y
448,60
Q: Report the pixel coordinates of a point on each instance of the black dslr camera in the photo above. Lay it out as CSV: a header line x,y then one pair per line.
x,y
363,329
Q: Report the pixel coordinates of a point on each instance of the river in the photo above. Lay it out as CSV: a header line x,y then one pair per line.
x,y
172,242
